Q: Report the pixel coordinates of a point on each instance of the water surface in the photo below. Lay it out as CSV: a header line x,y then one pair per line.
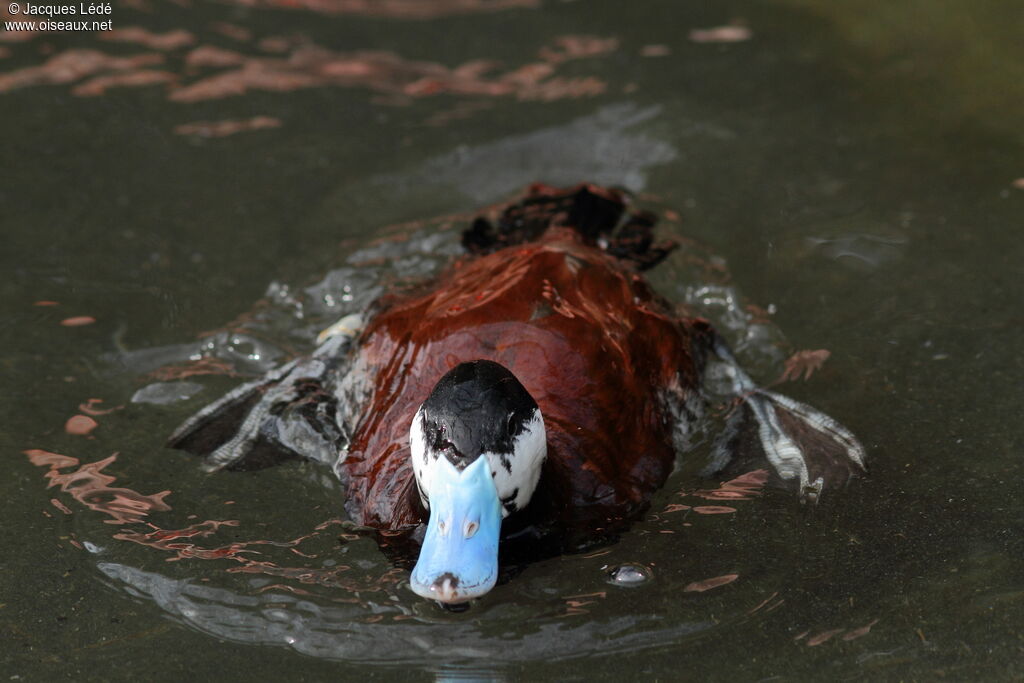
x,y
853,170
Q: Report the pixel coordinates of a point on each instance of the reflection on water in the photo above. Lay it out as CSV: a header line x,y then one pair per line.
x,y
349,633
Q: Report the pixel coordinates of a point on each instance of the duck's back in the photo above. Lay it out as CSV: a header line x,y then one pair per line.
x,y
600,353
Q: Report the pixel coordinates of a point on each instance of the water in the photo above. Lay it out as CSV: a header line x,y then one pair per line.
x,y
856,179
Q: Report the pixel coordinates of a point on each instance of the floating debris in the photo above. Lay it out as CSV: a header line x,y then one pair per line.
x,y
78,321
708,584
72,65
862,631
89,408
214,57
721,34
397,9
80,425
823,637
219,129
804,362
578,47
713,510
91,486
743,487
130,79
655,51
157,41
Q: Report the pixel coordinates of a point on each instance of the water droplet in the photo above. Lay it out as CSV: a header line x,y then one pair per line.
x,y
629,575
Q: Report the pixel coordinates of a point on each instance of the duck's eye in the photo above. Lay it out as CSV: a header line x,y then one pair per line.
x,y
471,528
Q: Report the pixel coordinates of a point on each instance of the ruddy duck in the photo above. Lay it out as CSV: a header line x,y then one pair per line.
x,y
541,375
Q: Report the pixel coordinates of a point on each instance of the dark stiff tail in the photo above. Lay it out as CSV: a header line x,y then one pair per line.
x,y
597,213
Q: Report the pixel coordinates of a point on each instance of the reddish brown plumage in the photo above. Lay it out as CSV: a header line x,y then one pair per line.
x,y
586,336
552,291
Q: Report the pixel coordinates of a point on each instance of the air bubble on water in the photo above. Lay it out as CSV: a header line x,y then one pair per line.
x,y
629,575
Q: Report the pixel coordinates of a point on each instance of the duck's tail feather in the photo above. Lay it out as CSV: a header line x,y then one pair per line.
x,y
597,213
288,412
803,445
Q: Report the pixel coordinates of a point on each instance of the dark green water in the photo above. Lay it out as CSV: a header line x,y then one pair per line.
x,y
854,167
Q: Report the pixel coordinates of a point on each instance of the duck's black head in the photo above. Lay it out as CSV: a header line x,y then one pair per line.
x,y
477,444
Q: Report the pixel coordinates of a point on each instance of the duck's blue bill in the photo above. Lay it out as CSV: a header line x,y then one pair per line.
x,y
459,558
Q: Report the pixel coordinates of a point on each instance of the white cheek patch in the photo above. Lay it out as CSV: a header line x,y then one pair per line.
x,y
420,458
516,476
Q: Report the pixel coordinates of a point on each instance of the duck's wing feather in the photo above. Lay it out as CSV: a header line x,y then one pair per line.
x,y
290,411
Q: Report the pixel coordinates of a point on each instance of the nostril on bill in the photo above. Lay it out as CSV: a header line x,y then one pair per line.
x,y
445,587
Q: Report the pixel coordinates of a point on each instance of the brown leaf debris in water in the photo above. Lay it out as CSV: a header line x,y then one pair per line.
x,y
805,362
743,487
309,66
215,57
721,34
192,368
714,510
213,72
708,584
98,85
232,31
80,425
78,321
823,637
399,9
155,41
655,51
89,408
72,65
91,487
862,631
219,129
577,47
